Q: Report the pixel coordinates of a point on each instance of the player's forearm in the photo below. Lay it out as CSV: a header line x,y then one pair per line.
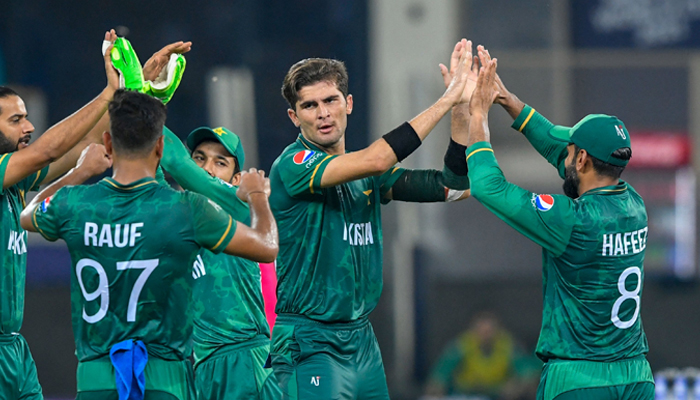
x,y
513,105
68,160
263,223
459,126
424,122
60,138
478,128
75,176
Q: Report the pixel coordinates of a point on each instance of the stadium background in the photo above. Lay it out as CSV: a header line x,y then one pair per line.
x,y
636,59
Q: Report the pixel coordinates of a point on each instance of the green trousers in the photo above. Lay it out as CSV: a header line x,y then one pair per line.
x,y
315,360
237,372
18,377
629,379
165,380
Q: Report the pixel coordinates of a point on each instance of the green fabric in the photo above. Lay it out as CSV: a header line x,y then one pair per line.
x,y
18,378
592,260
635,391
133,282
562,376
329,266
427,185
14,239
237,374
228,139
227,301
162,376
314,360
113,395
599,134
536,129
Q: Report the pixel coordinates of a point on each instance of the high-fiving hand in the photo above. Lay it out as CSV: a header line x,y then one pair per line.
x,y
472,66
485,92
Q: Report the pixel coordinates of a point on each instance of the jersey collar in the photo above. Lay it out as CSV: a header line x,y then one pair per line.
x,y
131,187
609,190
308,145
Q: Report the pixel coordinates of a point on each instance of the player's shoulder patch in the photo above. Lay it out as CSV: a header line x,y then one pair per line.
x,y
303,156
45,204
542,202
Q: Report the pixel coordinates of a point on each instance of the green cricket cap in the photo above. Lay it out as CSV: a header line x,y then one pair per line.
x,y
599,134
228,139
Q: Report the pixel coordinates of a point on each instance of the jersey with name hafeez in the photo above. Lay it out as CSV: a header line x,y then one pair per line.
x,y
329,266
592,252
227,300
132,248
13,270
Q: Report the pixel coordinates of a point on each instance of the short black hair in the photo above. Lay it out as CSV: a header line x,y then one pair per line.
x,y
311,71
6,92
605,169
136,122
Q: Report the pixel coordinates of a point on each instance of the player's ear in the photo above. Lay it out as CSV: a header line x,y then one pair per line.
x,y
107,140
293,116
349,101
236,180
582,158
160,144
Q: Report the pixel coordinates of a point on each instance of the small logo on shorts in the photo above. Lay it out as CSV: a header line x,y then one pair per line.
x,y
315,380
303,156
544,202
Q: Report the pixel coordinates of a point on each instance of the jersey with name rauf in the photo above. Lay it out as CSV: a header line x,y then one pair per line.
x,y
132,248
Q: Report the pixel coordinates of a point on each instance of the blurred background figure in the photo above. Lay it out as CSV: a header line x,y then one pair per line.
x,y
484,362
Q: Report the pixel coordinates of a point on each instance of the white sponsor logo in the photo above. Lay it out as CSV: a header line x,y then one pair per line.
x,y
315,380
198,268
358,234
17,242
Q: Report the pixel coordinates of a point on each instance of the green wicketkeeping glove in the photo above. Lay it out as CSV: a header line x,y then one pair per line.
x,y
126,62
168,80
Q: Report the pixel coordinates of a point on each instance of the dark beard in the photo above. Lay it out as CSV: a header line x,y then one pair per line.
x,y
6,145
571,182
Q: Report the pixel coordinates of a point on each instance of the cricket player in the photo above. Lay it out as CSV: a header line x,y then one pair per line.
x,y
327,203
133,243
593,240
24,167
231,334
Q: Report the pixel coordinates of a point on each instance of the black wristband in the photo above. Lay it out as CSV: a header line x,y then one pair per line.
x,y
456,158
403,140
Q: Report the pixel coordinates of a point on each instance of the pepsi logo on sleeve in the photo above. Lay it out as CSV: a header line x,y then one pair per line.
x,y
544,202
303,156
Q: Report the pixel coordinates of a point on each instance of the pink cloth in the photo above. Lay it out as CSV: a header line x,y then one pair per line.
x,y
269,290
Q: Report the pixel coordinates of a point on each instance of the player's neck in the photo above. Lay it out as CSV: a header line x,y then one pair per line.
x,y
126,171
594,181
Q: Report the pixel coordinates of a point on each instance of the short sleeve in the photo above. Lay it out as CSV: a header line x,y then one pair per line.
x,y
386,180
536,129
213,227
27,184
46,216
301,172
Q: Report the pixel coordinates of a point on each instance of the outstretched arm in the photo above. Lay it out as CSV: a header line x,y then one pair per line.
x,y
60,138
94,160
401,142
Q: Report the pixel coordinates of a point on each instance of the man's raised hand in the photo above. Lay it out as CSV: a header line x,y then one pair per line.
x,y
459,78
112,74
485,92
159,59
472,65
253,181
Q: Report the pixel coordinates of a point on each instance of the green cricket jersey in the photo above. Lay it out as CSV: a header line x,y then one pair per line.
x,y
329,267
132,248
14,238
592,252
227,301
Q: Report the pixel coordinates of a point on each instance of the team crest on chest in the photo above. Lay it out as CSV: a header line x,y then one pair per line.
x,y
303,156
543,202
